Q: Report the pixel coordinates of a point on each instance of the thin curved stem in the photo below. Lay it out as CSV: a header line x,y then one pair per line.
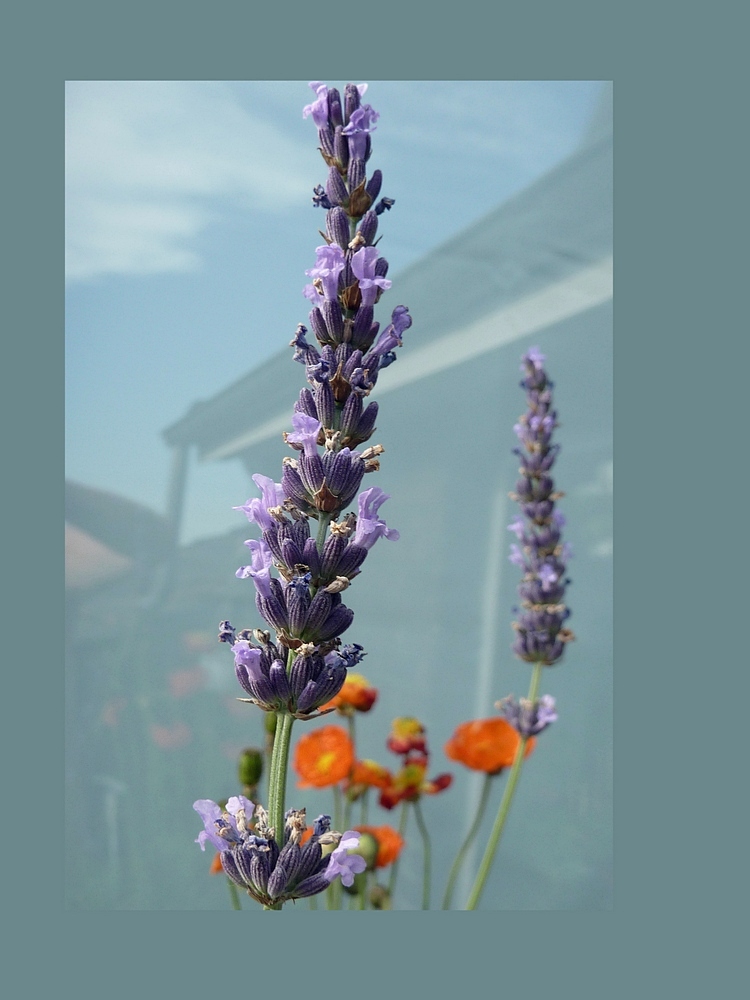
x,y
468,840
427,855
234,895
323,521
402,831
347,799
502,813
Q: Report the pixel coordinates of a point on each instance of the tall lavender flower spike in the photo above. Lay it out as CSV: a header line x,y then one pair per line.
x,y
299,574
273,874
331,418
541,637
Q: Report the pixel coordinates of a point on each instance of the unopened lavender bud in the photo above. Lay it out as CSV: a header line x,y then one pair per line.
x,y
326,138
381,267
337,227
368,227
334,321
334,107
279,681
335,187
319,326
337,623
355,174
332,552
350,415
352,100
366,425
304,669
324,403
374,184
341,148
310,557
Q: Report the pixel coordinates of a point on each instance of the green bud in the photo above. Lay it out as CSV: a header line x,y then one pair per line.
x,y
269,721
358,885
380,898
368,849
250,766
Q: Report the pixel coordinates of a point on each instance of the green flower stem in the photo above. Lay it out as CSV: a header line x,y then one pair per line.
x,y
323,521
234,895
335,887
347,799
502,813
402,832
337,808
363,807
427,855
277,777
461,856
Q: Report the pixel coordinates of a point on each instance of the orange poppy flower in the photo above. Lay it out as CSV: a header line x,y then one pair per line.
x,y
371,774
216,866
323,757
355,695
486,745
390,843
407,735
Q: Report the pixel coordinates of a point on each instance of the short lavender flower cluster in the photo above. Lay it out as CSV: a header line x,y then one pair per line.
x,y
273,874
540,635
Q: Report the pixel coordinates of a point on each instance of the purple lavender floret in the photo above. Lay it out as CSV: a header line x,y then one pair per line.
x,y
274,870
540,634
311,681
528,717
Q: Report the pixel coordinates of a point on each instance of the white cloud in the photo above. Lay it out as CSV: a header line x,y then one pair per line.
x,y
150,163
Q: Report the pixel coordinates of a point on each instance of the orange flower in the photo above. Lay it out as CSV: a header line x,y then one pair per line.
x,y
216,866
355,695
389,841
371,774
486,745
323,757
407,735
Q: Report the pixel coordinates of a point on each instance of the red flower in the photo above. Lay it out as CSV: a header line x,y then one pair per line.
x,y
356,695
411,782
407,736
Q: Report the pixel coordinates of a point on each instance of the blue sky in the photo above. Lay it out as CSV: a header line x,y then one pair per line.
x,y
189,226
